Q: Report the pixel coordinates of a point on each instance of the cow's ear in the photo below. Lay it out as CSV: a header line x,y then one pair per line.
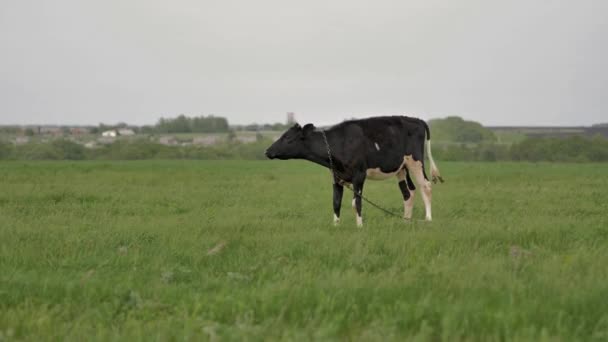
x,y
297,125
307,129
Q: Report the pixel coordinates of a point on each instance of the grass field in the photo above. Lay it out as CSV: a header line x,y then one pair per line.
x,y
172,250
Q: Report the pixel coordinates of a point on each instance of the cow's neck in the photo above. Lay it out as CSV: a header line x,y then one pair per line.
x,y
318,150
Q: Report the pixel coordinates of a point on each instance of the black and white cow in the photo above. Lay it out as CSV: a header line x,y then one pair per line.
x,y
375,148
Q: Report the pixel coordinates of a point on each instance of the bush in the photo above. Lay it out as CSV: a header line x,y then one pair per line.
x,y
574,149
129,150
37,151
455,129
6,150
69,150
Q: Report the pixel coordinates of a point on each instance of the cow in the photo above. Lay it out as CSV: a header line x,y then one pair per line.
x,y
374,148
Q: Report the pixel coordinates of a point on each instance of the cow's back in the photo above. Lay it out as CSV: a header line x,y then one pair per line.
x,y
383,142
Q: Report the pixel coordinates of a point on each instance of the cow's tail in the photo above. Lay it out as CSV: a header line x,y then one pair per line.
x,y
435,175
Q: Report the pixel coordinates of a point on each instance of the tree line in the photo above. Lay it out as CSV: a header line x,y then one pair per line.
x,y
572,149
197,124
179,124
454,139
205,124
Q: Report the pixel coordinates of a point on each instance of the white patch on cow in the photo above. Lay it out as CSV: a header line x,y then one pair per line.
x,y
408,206
354,203
376,174
401,175
359,221
377,146
415,168
336,220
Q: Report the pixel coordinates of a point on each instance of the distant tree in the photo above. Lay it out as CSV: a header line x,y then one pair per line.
x,y
200,124
29,132
6,149
147,129
67,149
278,127
231,136
455,129
103,127
252,127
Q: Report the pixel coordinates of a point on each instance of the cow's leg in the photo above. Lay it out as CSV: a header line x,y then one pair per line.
x,y
358,181
338,191
407,190
416,168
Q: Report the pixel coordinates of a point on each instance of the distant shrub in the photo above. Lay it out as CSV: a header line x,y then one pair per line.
x,y
129,150
6,150
37,151
453,152
184,124
69,150
455,129
574,149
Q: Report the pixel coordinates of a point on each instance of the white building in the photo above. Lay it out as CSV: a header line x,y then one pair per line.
x,y
110,133
105,140
168,140
246,139
206,140
126,132
20,140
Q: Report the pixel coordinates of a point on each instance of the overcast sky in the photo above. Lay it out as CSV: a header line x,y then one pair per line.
x,y
508,62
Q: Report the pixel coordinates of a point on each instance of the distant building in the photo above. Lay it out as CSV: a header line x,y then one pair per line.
x,y
168,140
246,139
206,140
21,140
50,130
126,132
79,130
110,133
598,130
291,118
90,144
105,140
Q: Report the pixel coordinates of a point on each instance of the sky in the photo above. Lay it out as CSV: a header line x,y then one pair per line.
x,y
532,62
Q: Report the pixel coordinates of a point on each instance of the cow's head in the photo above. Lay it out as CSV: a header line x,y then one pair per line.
x,y
292,144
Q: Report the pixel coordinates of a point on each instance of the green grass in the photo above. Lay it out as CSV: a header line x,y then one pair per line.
x,y
119,250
